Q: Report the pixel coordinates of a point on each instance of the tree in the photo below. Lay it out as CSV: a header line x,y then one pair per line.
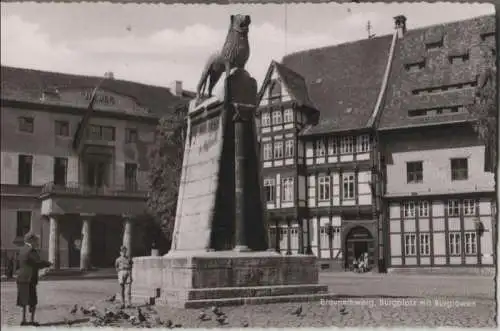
x,y
485,108
166,168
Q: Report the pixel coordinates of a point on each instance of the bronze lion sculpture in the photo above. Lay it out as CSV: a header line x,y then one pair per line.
x,y
234,54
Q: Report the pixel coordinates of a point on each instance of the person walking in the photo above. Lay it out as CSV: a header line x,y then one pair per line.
x,y
123,265
27,277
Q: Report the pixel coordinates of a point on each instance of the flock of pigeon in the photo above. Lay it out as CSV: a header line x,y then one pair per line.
x,y
147,317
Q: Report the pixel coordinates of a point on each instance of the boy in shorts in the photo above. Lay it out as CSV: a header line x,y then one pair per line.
x,y
123,265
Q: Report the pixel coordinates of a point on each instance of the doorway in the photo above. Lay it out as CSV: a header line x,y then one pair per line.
x,y
359,241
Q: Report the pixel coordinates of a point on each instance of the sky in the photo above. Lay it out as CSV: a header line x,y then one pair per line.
x,y
158,44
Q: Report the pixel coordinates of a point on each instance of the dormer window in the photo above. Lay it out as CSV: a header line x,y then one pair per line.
x,y
434,45
415,65
487,35
458,58
275,92
434,39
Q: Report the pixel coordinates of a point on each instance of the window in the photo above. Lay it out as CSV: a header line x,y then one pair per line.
x,y
469,207
288,116
26,124
267,150
324,187
410,244
459,169
333,144
414,172
25,166
278,149
131,135
453,208
98,132
424,244
423,209
130,176
363,143
289,148
346,145
275,92
408,209
60,170
287,184
62,128
277,117
454,244
265,119
270,189
23,225
348,180
320,148
470,243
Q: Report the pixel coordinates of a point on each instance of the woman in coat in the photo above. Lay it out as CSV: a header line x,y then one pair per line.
x,y
27,277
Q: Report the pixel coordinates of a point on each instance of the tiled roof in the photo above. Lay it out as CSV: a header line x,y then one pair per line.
x,y
29,85
296,85
343,81
458,38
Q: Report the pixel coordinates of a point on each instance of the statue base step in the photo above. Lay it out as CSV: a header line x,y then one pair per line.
x,y
194,280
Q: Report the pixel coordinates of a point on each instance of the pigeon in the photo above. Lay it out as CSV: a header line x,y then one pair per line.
x,y
203,316
85,311
178,325
217,311
244,324
298,311
111,299
169,323
221,319
74,310
342,310
140,315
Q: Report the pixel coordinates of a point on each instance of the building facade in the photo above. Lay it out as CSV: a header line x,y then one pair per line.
x,y
75,175
346,133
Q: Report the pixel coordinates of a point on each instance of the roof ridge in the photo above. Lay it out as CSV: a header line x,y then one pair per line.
x,y
384,36
63,74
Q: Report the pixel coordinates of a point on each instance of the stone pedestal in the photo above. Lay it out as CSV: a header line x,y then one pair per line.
x,y
202,279
220,248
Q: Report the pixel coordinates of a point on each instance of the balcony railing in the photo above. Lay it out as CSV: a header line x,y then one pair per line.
x,y
81,189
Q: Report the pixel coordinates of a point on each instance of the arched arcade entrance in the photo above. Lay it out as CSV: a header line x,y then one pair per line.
x,y
358,241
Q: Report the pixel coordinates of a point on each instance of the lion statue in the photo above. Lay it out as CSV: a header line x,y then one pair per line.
x,y
234,54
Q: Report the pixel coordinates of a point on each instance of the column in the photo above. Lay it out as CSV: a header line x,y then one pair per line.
x,y
54,242
85,251
127,234
241,118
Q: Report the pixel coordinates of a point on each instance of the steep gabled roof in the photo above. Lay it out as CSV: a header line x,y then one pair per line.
x,y
343,81
293,82
444,84
29,85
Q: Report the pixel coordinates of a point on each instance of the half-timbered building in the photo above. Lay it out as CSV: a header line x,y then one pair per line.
x,y
332,118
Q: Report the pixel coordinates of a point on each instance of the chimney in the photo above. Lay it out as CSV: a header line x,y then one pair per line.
x,y
400,25
176,88
109,75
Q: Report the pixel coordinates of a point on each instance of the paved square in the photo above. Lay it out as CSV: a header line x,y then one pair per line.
x,y
417,301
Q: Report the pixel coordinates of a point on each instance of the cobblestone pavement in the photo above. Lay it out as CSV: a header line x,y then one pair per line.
x,y
57,297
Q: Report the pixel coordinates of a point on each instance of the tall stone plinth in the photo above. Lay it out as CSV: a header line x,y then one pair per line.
x,y
220,248
226,278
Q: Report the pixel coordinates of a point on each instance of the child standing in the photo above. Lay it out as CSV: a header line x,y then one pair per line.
x,y
123,265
